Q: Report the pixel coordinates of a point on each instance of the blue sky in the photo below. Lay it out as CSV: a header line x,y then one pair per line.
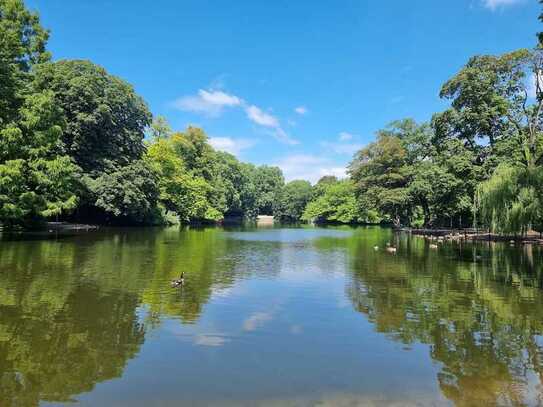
x,y
299,84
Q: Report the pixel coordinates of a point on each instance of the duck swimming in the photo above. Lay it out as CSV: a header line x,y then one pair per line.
x,y
179,281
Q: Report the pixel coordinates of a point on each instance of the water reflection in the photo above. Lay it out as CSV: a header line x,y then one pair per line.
x,y
63,326
269,317
479,307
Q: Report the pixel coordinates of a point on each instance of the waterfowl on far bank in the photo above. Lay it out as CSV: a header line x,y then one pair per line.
x,y
179,281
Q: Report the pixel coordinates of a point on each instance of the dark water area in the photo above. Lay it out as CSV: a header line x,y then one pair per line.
x,y
269,317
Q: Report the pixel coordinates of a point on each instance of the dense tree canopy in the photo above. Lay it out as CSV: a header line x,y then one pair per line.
x,y
77,143
22,45
334,202
104,119
292,201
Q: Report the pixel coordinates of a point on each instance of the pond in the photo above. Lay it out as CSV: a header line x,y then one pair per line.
x,y
268,317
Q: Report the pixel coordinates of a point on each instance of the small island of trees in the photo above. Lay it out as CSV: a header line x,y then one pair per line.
x,y
78,144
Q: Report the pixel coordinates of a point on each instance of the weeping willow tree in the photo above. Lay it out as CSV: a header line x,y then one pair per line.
x,y
511,201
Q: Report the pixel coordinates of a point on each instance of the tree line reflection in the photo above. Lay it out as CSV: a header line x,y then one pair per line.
x,y
478,306
74,311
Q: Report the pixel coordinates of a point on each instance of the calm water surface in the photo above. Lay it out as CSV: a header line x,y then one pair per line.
x,y
268,317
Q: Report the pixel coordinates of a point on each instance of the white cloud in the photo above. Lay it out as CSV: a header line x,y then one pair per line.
x,y
301,110
257,320
342,148
494,4
345,136
231,145
213,102
283,137
219,98
210,102
260,117
210,340
309,167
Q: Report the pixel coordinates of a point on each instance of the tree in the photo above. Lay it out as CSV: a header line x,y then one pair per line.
x,y
292,201
236,182
511,200
36,179
180,191
381,176
22,45
36,182
499,99
337,204
105,120
129,193
491,109
269,181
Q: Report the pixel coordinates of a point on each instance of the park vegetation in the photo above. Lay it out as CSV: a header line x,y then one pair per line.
x,y
78,144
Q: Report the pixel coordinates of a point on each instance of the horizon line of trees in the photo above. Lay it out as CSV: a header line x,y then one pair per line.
x,y
78,144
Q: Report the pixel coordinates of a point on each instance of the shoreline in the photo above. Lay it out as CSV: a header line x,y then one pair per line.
x,y
471,234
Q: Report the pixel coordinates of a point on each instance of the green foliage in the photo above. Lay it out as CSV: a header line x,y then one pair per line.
x,y
491,111
72,144
104,118
511,200
236,181
179,191
381,173
269,181
22,45
409,181
130,192
292,201
35,180
336,204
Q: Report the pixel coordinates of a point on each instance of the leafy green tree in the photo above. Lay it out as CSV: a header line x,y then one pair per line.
x,y
408,180
337,204
193,147
102,131
269,182
491,109
236,182
129,193
22,45
499,99
443,186
105,120
381,176
292,201
180,191
36,182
